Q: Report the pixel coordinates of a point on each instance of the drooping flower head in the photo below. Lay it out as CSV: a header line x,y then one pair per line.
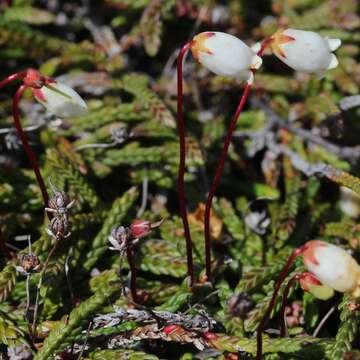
x,y
305,51
61,100
349,202
333,266
225,55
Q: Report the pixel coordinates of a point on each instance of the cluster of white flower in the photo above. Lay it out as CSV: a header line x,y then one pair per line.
x,y
226,55
223,54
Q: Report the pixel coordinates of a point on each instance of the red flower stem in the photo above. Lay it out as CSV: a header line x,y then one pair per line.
x,y
270,308
129,254
28,150
217,178
220,167
283,325
11,78
182,159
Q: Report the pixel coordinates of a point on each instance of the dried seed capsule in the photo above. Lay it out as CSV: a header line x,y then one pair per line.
x,y
59,200
119,238
59,227
29,263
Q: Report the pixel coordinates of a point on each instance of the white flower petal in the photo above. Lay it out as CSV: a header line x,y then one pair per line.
x,y
225,55
349,202
305,51
334,62
61,100
334,44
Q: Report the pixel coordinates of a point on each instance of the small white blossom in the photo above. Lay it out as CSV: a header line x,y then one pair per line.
x,y
349,202
225,55
305,51
333,266
61,100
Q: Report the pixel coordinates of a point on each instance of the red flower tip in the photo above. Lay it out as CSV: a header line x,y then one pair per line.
x,y
309,253
198,44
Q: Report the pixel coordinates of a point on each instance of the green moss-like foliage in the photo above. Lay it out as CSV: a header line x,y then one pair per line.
x,y
295,151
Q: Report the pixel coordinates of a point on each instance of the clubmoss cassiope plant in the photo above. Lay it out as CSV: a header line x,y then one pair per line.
x,y
123,239
275,194
226,55
58,98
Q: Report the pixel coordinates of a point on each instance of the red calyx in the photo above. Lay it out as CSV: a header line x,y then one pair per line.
x,y
307,279
34,79
140,228
309,253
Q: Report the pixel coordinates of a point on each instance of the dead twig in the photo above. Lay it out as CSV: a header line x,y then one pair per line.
x,y
198,323
349,153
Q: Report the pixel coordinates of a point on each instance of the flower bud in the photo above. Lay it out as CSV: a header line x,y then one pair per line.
x,y
60,99
333,266
225,55
349,202
311,284
305,51
140,228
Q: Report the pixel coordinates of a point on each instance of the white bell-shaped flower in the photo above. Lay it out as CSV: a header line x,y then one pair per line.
x,y
349,202
305,51
225,55
61,100
333,266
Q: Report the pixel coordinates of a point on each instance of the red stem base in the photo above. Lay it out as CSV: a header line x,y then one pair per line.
x,y
278,283
221,164
182,159
283,325
129,254
217,178
27,147
16,115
